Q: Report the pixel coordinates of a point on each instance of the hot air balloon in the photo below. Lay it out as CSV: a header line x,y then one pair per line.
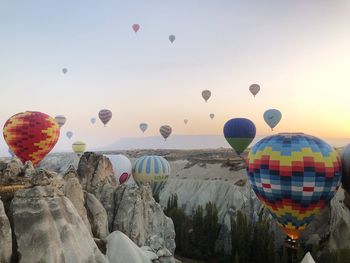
x,y
211,115
79,147
61,120
143,127
105,116
172,38
272,117
254,89
206,94
31,135
165,131
64,70
345,159
294,175
93,120
69,134
153,170
185,121
136,27
239,133
121,166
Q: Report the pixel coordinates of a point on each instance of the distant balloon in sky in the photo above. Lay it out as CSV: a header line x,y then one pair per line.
x,y
172,38
206,94
105,116
121,166
239,133
61,120
185,121
345,160
143,127
93,120
211,115
254,89
136,27
69,134
31,135
79,147
272,117
64,70
165,131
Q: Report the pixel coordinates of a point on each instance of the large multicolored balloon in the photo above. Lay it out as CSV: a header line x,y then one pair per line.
x,y
79,147
239,133
105,116
294,175
254,89
143,127
31,135
93,120
61,120
136,27
121,166
272,117
206,94
172,38
153,170
165,131
69,134
345,160
211,115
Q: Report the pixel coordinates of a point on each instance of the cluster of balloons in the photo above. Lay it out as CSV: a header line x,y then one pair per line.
x,y
136,28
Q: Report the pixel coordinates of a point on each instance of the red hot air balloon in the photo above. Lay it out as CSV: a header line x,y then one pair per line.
x,y
31,135
136,27
105,116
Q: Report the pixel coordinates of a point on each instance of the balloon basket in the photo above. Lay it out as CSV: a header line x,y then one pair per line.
x,y
291,244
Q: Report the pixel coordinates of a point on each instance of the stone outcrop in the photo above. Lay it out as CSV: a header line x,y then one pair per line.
x,y
5,236
97,216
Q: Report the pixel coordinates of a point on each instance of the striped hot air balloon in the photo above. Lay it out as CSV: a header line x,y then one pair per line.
x,y
79,147
31,135
153,170
105,116
239,133
61,120
165,131
294,175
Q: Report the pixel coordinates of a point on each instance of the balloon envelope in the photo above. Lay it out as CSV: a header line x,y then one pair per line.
x,y
136,27
345,160
172,38
64,70
254,89
294,175
31,135
143,127
121,166
79,147
206,94
239,133
153,170
93,120
272,117
211,115
61,120
105,116
69,134
165,131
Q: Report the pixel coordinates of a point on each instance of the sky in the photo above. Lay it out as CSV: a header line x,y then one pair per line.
x,y
297,51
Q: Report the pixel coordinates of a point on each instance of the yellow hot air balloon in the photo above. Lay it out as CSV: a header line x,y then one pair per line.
x,y
79,147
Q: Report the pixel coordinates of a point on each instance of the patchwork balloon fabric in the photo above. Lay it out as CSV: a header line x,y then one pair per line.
x,y
295,175
153,170
31,135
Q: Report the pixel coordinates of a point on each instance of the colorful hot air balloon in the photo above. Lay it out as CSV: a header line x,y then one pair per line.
x,y
239,133
153,170
345,160
93,120
185,121
61,120
211,115
165,131
136,27
294,175
121,166
143,127
206,94
69,134
105,116
79,147
64,70
172,38
31,135
272,117
254,89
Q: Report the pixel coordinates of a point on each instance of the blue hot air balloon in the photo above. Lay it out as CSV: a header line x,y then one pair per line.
x,y
239,133
272,117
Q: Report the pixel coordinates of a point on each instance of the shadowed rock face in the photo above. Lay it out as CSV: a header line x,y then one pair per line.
x,y
97,216
5,236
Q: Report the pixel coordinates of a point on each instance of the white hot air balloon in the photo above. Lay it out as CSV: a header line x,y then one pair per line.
x,y
272,117
121,166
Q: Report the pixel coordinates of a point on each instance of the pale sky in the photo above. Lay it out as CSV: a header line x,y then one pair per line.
x,y
297,51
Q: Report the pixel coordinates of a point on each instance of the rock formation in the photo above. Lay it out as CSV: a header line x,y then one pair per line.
x,y
5,236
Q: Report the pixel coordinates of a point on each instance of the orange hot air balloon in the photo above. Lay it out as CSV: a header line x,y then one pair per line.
x,y
31,135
